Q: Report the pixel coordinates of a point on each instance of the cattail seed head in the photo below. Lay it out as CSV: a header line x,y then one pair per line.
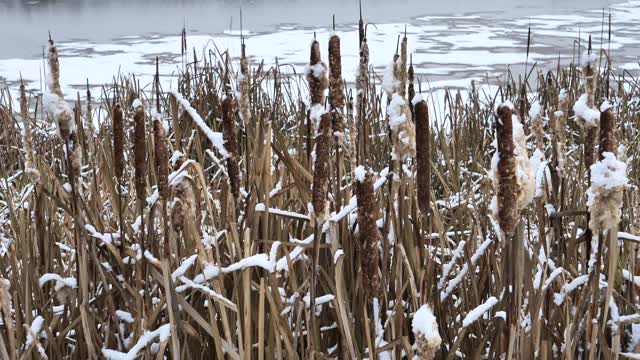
x,y
139,149
75,156
507,189
54,70
423,154
369,235
230,135
607,130
161,156
402,127
316,74
336,87
118,140
183,205
320,187
30,169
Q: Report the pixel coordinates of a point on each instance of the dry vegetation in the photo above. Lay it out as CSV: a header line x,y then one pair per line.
x,y
231,219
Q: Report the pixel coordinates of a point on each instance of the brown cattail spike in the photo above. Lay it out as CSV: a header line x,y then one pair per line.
x,y
230,135
370,236
316,75
507,180
118,140
423,154
139,150
161,156
336,87
320,186
607,130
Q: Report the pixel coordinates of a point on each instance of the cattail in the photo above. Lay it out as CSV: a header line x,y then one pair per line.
x,y
402,128
54,70
160,149
244,89
423,153
336,88
402,67
183,205
607,130
584,108
118,140
505,177
425,329
27,142
608,178
320,188
369,235
139,149
75,156
535,114
56,106
316,74
362,86
231,144
411,89
559,129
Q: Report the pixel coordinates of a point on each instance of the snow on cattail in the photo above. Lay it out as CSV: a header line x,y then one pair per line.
x,y
425,329
604,196
230,135
319,205
183,206
423,153
390,81
139,149
161,155
316,74
336,87
402,128
118,140
369,234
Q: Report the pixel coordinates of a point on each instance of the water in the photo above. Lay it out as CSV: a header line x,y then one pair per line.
x,y
452,42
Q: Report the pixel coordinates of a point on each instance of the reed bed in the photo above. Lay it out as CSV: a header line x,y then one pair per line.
x,y
244,216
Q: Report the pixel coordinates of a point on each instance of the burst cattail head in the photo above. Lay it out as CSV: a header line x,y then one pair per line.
x,y
161,156
402,128
30,169
605,195
559,130
423,153
505,172
320,188
139,149
369,235
118,140
535,114
183,205
336,87
54,70
230,135
425,329
316,74
75,156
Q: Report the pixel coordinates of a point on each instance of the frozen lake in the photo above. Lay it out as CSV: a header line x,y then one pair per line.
x,y
451,42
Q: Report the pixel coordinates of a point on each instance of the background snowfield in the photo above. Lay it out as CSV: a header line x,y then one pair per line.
x,y
448,50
